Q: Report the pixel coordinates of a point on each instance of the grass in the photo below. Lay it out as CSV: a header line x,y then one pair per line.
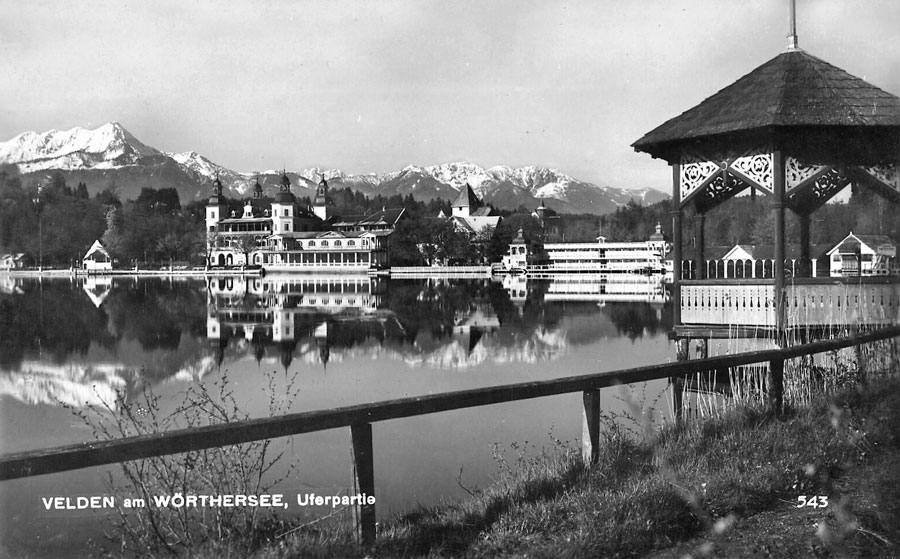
x,y
650,492
650,489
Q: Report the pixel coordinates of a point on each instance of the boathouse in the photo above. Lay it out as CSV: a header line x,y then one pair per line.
x,y
797,130
863,255
97,258
13,261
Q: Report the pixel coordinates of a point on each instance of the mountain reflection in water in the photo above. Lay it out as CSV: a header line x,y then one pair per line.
x,y
346,341
76,341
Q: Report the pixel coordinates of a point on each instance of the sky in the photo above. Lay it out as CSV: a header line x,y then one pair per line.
x,y
376,85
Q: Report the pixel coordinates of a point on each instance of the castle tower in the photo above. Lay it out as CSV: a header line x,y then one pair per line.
x,y
249,205
283,207
215,208
320,204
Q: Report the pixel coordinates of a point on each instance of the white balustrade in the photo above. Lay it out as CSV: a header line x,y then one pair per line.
x,y
739,304
806,304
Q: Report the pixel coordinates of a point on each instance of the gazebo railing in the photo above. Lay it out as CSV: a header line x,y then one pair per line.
x,y
808,302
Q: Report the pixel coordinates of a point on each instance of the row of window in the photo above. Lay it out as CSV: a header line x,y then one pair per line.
x,y
337,243
324,244
837,257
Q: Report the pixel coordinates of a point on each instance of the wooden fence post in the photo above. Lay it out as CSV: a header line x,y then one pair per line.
x,y
364,481
682,350
590,431
859,354
775,386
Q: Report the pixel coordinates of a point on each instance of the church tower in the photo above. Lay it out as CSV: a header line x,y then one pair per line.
x,y
320,205
283,207
465,203
215,208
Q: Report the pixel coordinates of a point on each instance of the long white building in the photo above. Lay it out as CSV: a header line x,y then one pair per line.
x,y
600,256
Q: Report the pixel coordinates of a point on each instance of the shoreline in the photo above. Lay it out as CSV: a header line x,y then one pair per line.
x,y
71,273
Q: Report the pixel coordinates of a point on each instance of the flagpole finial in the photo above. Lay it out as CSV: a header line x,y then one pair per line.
x,y
792,37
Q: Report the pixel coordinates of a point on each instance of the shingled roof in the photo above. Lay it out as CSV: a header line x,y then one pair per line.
x,y
794,89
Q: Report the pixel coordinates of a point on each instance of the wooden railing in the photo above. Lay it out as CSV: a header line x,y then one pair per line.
x,y
808,302
737,302
360,418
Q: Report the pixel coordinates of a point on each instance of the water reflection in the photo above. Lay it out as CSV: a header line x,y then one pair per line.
x,y
346,340
64,341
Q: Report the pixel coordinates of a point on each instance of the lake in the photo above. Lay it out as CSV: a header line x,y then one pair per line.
x,y
314,342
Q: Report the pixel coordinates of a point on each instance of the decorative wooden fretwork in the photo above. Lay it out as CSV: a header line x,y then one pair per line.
x,y
798,173
888,175
695,171
722,187
823,187
829,184
717,176
758,166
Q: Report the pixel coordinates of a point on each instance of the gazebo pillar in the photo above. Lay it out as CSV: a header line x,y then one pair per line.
x,y
700,257
805,263
778,265
676,244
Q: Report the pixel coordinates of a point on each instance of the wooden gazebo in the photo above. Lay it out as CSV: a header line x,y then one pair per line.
x,y
798,130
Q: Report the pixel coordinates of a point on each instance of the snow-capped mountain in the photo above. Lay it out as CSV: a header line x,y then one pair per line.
x,y
205,171
107,147
111,157
503,186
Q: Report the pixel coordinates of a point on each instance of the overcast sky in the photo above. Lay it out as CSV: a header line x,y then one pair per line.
x,y
374,86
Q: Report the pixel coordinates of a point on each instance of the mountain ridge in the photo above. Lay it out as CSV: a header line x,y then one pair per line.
x,y
110,156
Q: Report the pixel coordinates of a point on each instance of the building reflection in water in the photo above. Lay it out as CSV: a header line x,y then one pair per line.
x,y
278,313
76,342
600,288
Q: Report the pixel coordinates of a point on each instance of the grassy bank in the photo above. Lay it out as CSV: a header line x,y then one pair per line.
x,y
699,482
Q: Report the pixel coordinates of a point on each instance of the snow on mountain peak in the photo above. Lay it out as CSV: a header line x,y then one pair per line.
x,y
106,147
111,146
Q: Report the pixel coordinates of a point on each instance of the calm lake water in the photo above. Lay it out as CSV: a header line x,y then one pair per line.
x,y
343,340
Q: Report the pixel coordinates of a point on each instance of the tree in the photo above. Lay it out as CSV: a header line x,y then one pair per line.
x,y
114,236
81,191
163,200
169,246
245,244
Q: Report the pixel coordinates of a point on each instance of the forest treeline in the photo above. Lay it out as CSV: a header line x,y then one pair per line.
x,y
55,224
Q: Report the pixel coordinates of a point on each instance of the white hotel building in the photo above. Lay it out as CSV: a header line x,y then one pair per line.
x,y
285,236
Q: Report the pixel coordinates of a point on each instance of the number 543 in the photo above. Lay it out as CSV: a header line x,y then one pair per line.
x,y
815,501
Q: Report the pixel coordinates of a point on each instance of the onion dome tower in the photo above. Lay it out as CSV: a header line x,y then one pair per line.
x,y
215,208
320,205
283,208
257,196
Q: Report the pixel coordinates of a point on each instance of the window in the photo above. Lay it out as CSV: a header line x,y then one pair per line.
x,y
337,243
287,226
324,243
312,243
351,243
287,212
